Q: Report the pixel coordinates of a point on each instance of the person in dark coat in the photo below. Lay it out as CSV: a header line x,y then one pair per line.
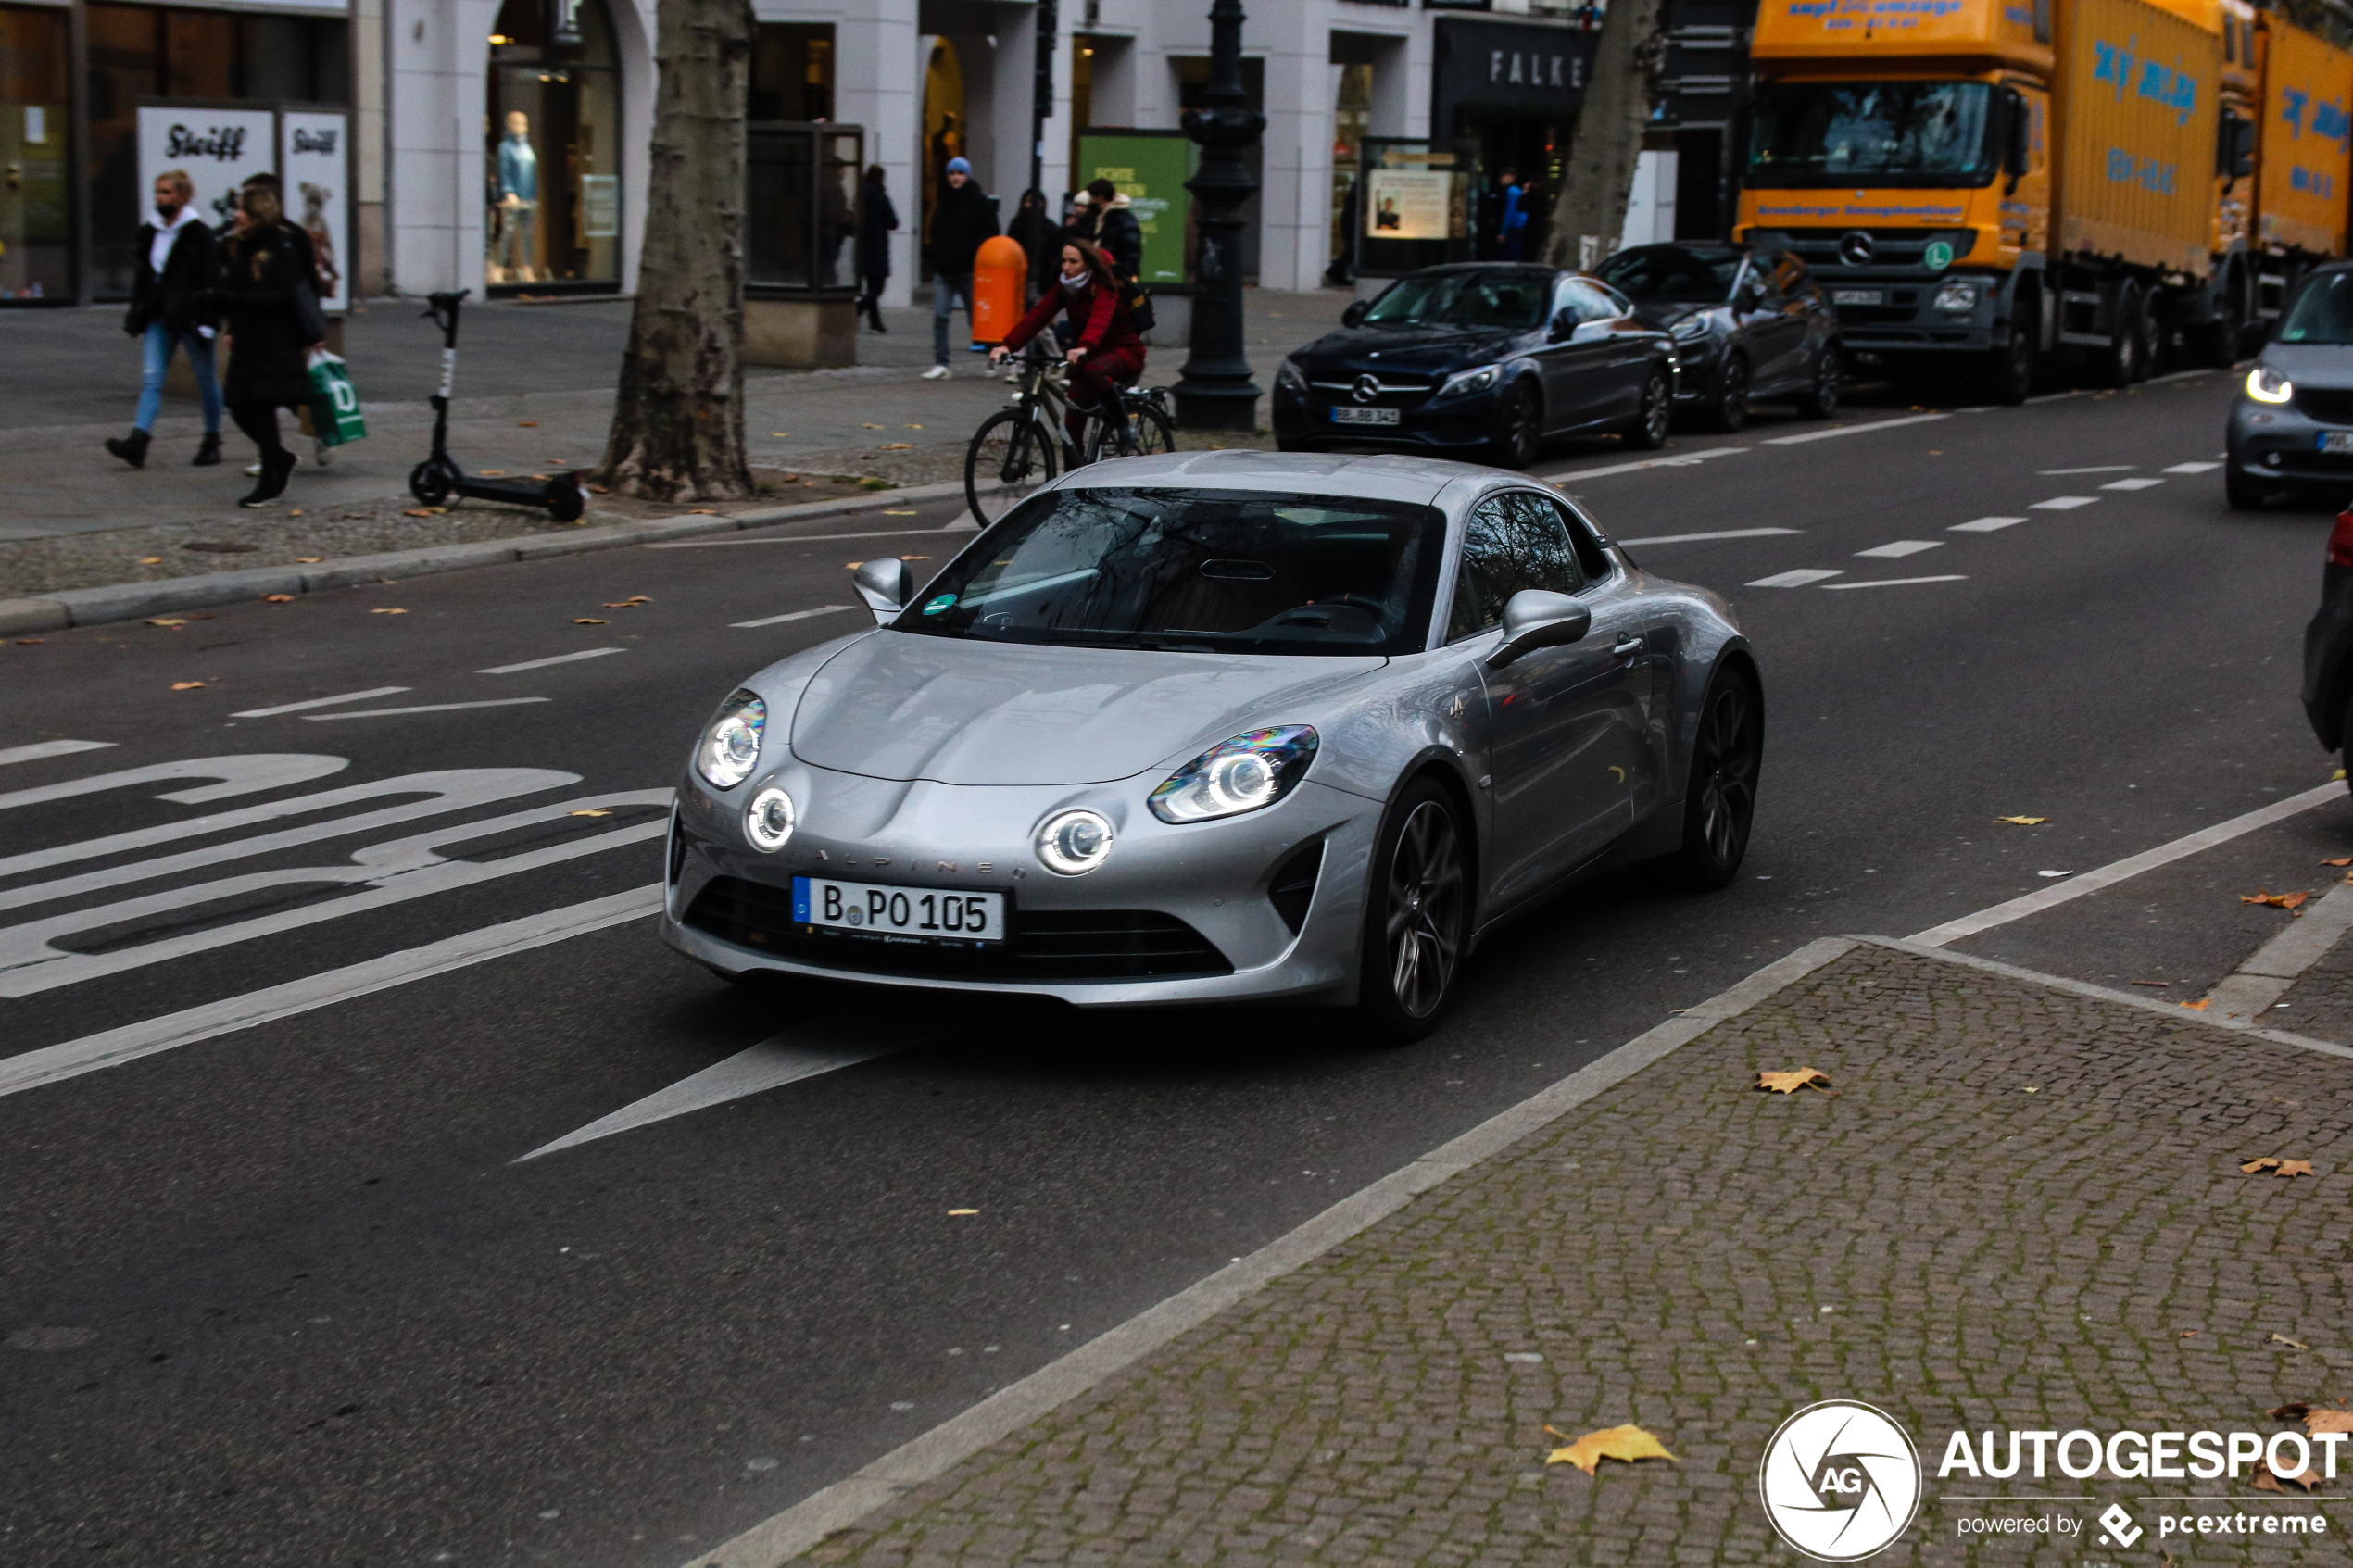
x,y
265,280
1111,227
179,261
963,217
876,220
1034,230
1105,347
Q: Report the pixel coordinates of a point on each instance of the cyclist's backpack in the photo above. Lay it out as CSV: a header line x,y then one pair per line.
x,y
1138,300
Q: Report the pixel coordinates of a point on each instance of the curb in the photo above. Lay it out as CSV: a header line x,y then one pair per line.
x,y
133,601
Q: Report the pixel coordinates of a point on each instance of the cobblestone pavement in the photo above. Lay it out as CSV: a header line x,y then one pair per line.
x,y
2321,1002
2021,1209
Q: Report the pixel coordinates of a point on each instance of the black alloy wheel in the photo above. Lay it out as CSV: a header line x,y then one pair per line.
x,y
1418,916
1522,440
1657,413
1819,400
1719,796
1730,410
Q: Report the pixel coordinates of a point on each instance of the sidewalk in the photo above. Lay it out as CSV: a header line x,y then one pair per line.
x,y
2022,1209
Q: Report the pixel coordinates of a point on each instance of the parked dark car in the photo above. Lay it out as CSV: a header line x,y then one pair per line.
x,y
1481,361
2291,428
1745,323
2328,645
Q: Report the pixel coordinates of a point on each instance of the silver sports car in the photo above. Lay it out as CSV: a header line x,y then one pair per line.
x,y
1217,727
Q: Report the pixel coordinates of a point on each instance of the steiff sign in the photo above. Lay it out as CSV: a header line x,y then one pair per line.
x,y
220,150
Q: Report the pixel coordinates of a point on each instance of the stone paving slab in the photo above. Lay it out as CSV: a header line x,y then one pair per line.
x,y
2021,1209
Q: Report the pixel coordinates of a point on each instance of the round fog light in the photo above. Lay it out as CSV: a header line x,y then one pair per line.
x,y
1073,843
2270,459
768,822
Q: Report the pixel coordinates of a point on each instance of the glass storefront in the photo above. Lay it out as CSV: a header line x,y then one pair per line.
x,y
552,171
36,255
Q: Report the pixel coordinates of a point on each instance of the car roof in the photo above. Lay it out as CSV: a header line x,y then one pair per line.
x,y
1693,248
1378,476
1482,267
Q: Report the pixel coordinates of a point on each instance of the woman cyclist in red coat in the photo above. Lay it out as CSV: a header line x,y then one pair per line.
x,y
1107,351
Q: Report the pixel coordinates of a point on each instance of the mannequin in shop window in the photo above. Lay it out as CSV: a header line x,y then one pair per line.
x,y
517,201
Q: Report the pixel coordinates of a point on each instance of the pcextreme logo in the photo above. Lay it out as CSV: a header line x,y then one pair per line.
x,y
1841,1481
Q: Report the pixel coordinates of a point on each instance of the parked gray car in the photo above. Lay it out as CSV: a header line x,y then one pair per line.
x,y
1218,727
1745,324
2291,427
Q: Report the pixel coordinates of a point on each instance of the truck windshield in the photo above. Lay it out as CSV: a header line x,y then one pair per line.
x,y
1903,134
2323,312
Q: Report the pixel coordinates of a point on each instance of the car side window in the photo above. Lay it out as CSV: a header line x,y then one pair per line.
x,y
1513,541
1590,557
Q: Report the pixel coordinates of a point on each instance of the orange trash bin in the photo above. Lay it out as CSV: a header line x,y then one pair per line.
x,y
1001,273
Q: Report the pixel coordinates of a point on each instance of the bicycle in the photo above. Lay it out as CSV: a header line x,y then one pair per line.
x,y
1021,449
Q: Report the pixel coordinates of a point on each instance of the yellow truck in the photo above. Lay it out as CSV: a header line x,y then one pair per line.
x,y
1980,183
2303,163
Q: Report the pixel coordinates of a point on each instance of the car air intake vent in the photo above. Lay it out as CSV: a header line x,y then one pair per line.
x,y
1045,945
1292,887
2332,405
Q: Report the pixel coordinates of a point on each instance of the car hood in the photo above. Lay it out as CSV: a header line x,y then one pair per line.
x,y
2311,364
905,706
1433,351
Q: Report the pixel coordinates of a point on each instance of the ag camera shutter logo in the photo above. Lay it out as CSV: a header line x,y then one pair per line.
x,y
1840,1481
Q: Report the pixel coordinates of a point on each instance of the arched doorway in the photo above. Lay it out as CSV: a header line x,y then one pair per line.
x,y
551,176
944,126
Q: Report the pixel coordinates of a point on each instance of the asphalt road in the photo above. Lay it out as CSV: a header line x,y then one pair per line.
x,y
285,1295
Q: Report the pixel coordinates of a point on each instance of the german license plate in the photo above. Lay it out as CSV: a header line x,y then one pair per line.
x,y
1858,297
925,915
2336,441
1364,416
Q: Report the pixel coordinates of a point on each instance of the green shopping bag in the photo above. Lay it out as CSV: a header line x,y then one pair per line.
x,y
335,404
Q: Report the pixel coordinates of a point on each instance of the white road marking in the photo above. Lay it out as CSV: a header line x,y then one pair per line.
x,y
238,775
2131,484
318,702
1720,533
2276,966
2053,397
796,539
1798,579
1854,430
552,659
1898,548
424,708
2102,467
41,748
2062,503
454,790
399,871
795,615
2182,375
806,1050
1899,581
93,1053
1679,460
2193,468
2130,866
1985,525
965,523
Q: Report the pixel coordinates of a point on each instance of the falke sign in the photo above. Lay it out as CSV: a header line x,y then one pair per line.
x,y
1513,67
1517,66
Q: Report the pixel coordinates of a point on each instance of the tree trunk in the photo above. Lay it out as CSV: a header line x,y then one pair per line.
x,y
1588,213
678,424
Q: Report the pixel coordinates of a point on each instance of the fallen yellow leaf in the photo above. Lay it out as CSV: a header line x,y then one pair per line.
x,y
893,511
2318,1422
2294,1168
1624,1443
166,620
897,447
2277,900
874,427
1790,1082
594,811
2293,1344
186,685
585,620
704,511
277,599
418,512
526,424
2024,821
2267,1163
388,612
963,1210
150,560
2198,1006
2347,860
495,473
2271,1480
309,560
781,435
294,512
914,427
31,641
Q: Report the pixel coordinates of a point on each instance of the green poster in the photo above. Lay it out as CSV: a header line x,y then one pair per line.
x,y
1149,170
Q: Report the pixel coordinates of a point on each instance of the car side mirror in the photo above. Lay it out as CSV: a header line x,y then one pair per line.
x,y
1563,325
1536,618
885,585
1355,315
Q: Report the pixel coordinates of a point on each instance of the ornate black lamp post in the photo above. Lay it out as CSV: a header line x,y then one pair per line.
x,y
1215,391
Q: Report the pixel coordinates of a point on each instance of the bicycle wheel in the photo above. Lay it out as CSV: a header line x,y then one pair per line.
x,y
1005,464
1153,431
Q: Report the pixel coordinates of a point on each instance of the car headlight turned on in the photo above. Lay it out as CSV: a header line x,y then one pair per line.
x,y
1249,773
2267,386
1074,843
1958,294
1476,380
769,820
1289,378
729,749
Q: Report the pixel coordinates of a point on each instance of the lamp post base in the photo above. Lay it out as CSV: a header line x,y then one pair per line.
x,y
1214,406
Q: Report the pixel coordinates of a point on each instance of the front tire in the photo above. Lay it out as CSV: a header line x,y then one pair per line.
x,y
1648,431
1729,412
1417,916
1819,400
1522,440
1720,793
1008,460
2244,493
2011,376
2121,366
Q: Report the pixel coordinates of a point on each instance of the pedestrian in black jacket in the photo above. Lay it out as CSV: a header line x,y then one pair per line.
x,y
1107,223
876,220
266,287
963,216
1041,239
179,261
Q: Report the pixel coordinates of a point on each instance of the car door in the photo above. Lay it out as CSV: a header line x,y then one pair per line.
x,y
1783,323
1564,724
1575,358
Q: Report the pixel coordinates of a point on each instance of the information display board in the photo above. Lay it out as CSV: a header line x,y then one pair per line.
x,y
1150,168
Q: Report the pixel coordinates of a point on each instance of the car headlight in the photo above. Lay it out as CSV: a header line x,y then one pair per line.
x,y
1290,378
1956,296
769,820
1249,773
1074,843
730,745
1690,327
1477,380
2267,386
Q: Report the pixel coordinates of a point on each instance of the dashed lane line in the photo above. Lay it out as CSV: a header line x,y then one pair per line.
x,y
790,615
39,749
1679,460
2062,503
426,707
2131,484
1801,578
1985,525
2096,468
371,693
1854,430
1719,534
551,659
1897,549
2193,468
1900,581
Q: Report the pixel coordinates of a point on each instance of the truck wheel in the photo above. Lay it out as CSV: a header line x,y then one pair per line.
x,y
2009,372
2121,365
2152,340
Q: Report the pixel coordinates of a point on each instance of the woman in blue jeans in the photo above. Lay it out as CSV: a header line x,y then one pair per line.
x,y
179,261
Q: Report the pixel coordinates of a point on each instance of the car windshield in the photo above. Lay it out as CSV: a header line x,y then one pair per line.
x,y
1904,133
2323,312
1671,275
1510,297
1194,572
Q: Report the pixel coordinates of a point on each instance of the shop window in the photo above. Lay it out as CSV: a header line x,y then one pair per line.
x,y
551,173
792,71
35,254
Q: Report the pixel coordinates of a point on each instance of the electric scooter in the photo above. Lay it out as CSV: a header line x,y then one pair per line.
x,y
437,479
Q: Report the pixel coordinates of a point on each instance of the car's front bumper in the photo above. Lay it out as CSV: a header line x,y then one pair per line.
x,y
2278,446
1199,892
1462,423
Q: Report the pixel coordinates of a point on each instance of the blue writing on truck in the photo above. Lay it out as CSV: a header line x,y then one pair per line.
x,y
2160,179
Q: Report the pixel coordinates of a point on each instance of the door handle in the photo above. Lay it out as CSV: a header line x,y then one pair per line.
x,y
1627,648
